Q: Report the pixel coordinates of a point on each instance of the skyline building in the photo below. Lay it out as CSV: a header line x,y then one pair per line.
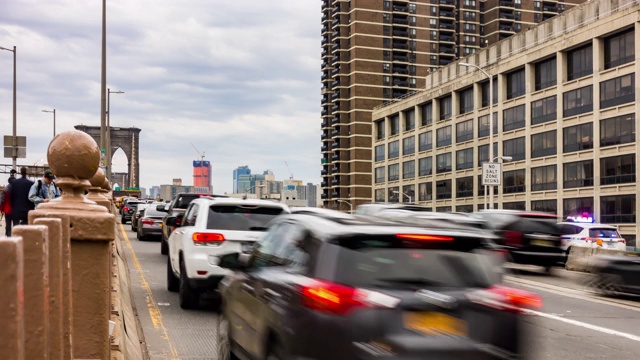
x,y
237,173
202,175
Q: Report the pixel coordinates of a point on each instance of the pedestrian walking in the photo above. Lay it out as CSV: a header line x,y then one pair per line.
x,y
5,204
44,190
19,196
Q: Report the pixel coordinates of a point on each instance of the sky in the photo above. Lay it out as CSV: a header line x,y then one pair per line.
x,y
240,80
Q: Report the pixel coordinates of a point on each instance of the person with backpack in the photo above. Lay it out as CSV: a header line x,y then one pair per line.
x,y
19,196
44,190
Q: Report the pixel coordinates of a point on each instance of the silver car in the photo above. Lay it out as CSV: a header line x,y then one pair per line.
x,y
150,223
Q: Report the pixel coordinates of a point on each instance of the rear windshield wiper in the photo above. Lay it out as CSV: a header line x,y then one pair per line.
x,y
257,228
409,281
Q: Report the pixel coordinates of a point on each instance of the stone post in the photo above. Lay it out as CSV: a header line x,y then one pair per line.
x,y
12,299
106,192
74,158
36,289
95,190
56,301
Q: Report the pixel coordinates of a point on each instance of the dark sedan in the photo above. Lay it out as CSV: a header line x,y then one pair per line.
x,y
616,275
128,210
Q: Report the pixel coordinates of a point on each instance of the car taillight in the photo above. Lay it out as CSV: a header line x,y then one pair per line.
x,y
147,222
506,298
513,238
126,208
421,237
621,240
328,297
207,238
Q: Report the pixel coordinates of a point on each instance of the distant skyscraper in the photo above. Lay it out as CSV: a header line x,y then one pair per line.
x,y
312,197
237,174
202,175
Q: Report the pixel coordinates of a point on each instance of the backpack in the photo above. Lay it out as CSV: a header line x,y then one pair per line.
x,y
39,189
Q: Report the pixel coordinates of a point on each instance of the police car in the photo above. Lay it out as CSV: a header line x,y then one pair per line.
x,y
583,231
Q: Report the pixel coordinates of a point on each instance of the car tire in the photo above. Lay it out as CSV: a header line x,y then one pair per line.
x,y
139,235
164,246
189,297
123,220
173,282
224,339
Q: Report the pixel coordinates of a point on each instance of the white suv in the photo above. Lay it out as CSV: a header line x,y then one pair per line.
x,y
209,229
591,235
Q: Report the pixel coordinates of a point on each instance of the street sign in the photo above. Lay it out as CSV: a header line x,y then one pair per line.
x,y
21,141
491,173
20,146
103,158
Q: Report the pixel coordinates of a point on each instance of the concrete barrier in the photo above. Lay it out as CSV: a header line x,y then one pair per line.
x,y
581,258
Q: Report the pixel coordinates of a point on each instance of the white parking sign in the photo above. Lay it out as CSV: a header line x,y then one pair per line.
x,y
491,173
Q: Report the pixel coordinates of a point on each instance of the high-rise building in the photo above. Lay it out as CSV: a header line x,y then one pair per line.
x,y
202,175
375,51
237,173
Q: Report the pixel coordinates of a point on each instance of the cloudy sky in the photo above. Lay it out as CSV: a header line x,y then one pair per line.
x,y
238,79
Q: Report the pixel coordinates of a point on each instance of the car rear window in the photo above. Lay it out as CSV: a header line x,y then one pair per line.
x,y
604,233
151,212
184,201
241,218
386,261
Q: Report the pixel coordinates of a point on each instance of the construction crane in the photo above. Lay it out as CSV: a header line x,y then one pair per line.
x,y
198,151
290,173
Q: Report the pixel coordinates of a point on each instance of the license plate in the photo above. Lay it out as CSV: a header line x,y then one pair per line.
x,y
542,242
434,323
246,247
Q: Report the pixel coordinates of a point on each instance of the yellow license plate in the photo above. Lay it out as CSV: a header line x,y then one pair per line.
x,y
434,323
160,224
542,242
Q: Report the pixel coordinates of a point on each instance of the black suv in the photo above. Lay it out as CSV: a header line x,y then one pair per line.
x,y
338,287
128,209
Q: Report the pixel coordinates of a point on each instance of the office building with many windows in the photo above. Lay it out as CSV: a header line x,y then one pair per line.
x,y
564,110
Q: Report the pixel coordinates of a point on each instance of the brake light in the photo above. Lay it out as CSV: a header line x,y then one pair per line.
x,y
506,298
420,237
513,238
147,221
621,240
126,208
207,238
328,297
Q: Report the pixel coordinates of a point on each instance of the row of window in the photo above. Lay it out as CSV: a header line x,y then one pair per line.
x,y
613,170
613,131
613,92
615,209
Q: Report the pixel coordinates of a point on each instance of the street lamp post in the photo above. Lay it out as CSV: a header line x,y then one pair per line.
x,y
348,203
108,132
490,119
246,191
400,192
54,120
14,154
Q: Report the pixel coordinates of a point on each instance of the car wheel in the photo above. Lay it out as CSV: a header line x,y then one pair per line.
x,y
189,297
609,284
123,220
224,339
173,283
164,246
139,235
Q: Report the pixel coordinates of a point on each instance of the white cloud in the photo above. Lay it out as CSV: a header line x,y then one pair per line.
x,y
238,79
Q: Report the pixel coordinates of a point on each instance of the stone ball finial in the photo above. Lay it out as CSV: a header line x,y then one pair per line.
x,y
74,154
106,185
98,179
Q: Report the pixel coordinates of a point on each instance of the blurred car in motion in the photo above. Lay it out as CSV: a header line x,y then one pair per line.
x,y
210,228
150,223
338,287
375,208
529,237
617,275
137,215
591,234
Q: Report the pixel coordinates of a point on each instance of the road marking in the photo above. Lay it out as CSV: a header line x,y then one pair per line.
x,y
154,310
585,325
572,293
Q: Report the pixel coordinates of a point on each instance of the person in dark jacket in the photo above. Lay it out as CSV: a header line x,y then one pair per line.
x,y
19,195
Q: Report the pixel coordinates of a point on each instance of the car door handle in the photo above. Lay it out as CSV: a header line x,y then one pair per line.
x,y
248,288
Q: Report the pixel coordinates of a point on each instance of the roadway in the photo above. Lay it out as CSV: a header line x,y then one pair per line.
x,y
573,324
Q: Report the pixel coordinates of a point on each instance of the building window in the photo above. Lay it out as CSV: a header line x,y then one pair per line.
x,y
409,120
483,125
409,145
386,5
380,130
579,137
380,175
514,205
393,194
543,110
483,153
466,100
515,84
545,74
514,148
395,124
544,178
464,208
464,159
445,108
427,114
425,191
578,207
577,101
386,67
443,163
393,172
443,209
481,189
425,166
380,153
443,189
617,91
618,169
409,193
443,136
409,169
513,118
425,141
394,150
485,92
619,209
380,195
514,181
548,206
464,187
543,144
580,62
619,49
578,174
464,131
618,130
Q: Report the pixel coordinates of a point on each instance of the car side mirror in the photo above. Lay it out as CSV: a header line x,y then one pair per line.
x,y
160,208
175,221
